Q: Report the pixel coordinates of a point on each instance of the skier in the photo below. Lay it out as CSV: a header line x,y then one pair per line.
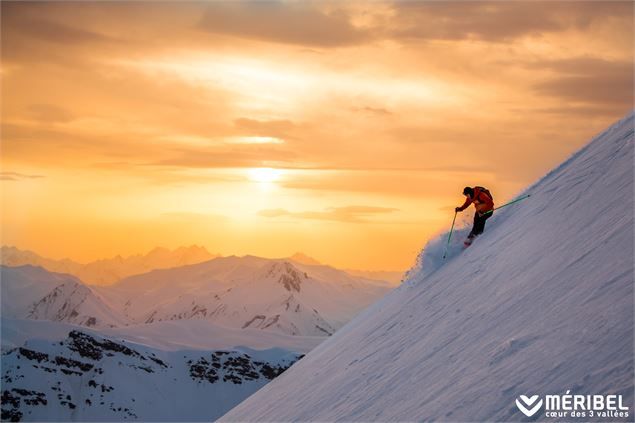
x,y
484,205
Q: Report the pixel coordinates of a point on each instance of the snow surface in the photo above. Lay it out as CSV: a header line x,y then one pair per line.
x,y
541,303
80,375
166,336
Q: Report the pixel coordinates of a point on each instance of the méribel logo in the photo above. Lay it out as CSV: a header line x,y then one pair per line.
x,y
528,405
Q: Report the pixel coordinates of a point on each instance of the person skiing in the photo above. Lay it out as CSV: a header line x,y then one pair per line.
x,y
484,205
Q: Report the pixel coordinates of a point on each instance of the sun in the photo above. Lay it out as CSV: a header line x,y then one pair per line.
x,y
265,174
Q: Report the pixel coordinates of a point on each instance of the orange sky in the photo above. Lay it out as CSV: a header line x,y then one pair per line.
x,y
131,125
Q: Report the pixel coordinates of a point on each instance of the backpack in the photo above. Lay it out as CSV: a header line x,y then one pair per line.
x,y
486,191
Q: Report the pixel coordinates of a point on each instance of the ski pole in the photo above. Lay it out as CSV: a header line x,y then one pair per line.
x,y
507,204
449,235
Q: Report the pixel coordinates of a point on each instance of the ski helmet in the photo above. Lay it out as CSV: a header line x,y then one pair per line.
x,y
468,191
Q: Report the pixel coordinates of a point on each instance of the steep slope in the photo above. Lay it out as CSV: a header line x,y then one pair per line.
x,y
248,292
541,304
34,293
84,376
108,271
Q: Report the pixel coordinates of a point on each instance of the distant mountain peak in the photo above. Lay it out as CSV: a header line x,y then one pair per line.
x,y
304,259
286,275
109,270
158,250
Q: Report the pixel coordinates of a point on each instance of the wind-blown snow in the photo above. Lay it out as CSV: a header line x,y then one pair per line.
x,y
541,303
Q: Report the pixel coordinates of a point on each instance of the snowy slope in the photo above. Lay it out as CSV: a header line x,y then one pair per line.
x,y
34,293
542,303
247,292
167,336
88,377
108,271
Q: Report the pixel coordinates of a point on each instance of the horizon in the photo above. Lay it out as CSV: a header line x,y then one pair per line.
x,y
216,255
343,131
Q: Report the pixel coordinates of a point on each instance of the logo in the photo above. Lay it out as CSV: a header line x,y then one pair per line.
x,y
569,406
529,406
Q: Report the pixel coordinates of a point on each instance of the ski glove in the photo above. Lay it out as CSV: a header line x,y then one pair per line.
x,y
457,209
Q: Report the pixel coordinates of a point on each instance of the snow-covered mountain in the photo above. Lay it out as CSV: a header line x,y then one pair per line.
x,y
234,292
80,375
34,293
108,271
147,348
541,304
247,292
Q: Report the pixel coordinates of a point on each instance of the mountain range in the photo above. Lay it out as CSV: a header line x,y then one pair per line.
x,y
188,342
108,271
247,292
237,292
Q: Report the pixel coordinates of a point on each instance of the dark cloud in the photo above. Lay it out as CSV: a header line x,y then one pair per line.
x,y
350,214
498,21
38,20
590,81
31,33
578,111
54,32
292,23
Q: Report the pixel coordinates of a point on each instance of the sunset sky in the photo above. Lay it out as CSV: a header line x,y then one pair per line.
x,y
344,130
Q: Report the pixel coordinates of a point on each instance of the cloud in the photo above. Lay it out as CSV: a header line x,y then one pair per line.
x,y
198,217
497,21
49,113
15,176
349,214
374,111
577,110
589,80
291,23
283,129
54,32
236,155
424,183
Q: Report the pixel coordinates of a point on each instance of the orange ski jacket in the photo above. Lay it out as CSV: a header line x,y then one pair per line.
x,y
482,202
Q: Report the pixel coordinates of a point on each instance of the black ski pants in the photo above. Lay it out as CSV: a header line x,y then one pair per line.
x,y
479,224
